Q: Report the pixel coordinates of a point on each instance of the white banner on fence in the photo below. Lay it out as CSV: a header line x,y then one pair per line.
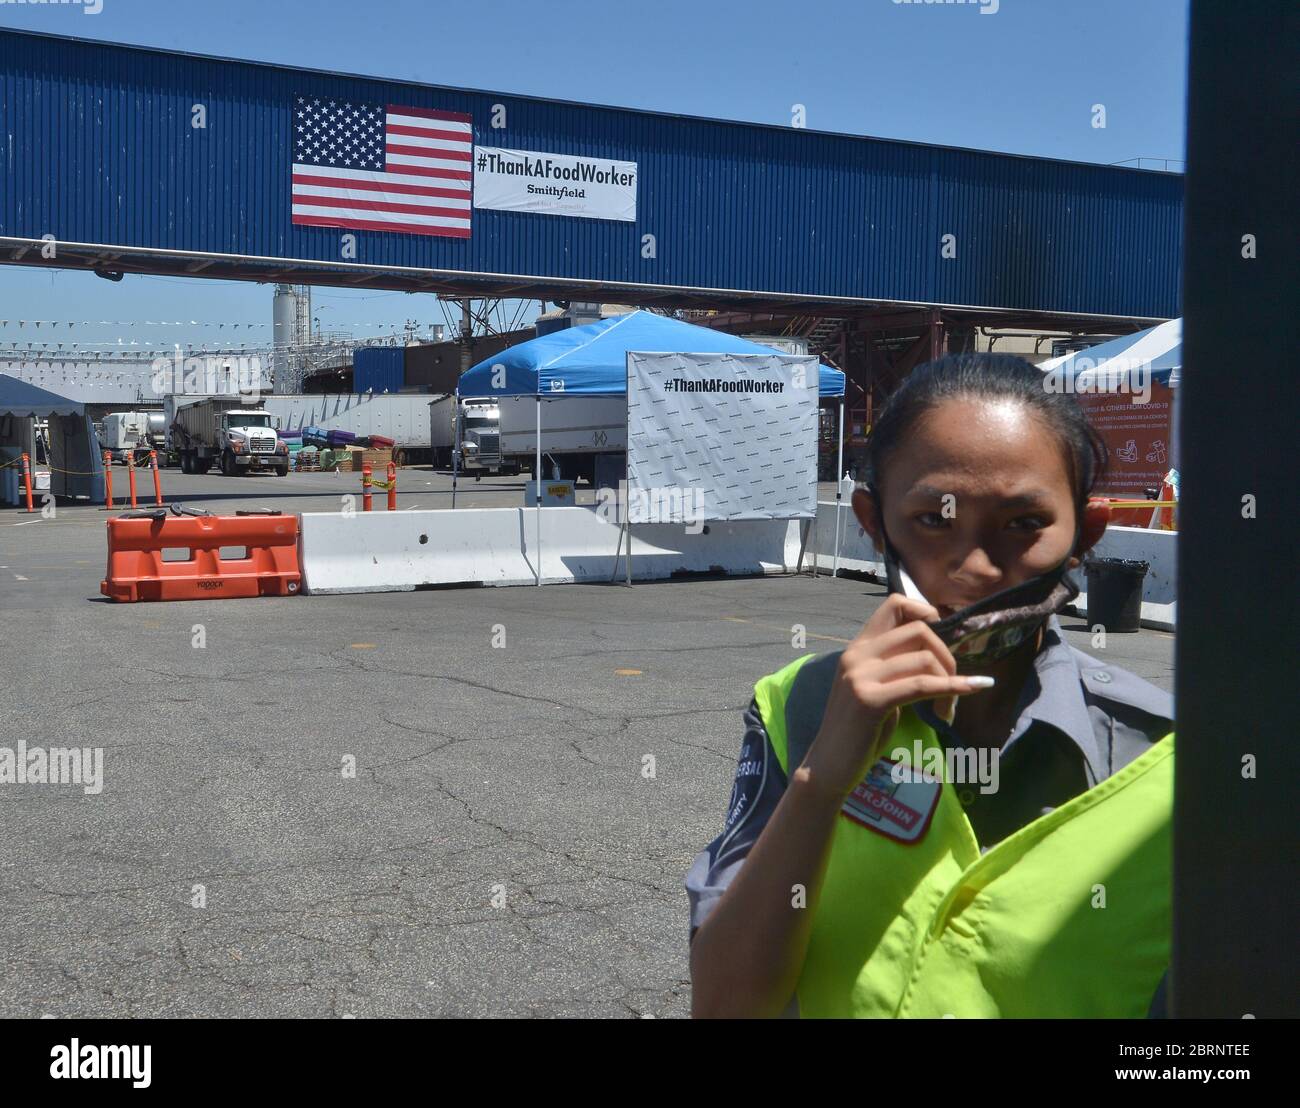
x,y
554,184
721,436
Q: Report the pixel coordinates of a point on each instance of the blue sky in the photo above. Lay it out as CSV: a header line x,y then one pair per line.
x,y
1021,79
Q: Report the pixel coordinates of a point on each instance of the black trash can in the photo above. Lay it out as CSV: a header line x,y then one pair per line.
x,y
1115,593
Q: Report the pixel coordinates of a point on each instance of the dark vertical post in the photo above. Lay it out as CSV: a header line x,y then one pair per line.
x,y
1234,819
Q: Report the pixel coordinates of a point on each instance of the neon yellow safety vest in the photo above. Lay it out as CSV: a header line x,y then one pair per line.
x,y
1067,917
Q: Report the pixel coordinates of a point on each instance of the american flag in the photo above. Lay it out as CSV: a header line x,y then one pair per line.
x,y
381,168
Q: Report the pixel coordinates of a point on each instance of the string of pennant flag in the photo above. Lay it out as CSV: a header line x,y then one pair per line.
x,y
71,323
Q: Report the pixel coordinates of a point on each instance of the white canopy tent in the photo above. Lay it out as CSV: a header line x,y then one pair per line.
x,y
1156,353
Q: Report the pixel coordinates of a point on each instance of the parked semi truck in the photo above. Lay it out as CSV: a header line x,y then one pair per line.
x,y
223,430
129,436
480,451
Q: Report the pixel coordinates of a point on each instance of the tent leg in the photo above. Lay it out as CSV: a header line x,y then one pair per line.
x,y
839,493
455,451
537,492
617,551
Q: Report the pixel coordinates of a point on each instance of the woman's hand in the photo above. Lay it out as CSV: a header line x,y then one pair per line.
x,y
895,660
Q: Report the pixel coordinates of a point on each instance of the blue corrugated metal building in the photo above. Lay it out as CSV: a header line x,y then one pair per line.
x,y
379,369
99,151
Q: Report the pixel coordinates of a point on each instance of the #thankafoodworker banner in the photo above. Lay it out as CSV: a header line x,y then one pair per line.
x,y
721,437
554,184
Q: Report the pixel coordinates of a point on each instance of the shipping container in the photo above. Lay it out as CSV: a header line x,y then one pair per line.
x,y
379,369
99,150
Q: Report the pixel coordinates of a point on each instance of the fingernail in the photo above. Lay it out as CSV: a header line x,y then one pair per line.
x,y
979,681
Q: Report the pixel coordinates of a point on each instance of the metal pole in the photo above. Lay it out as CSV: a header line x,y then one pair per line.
x,y
537,489
455,449
1234,795
839,491
466,357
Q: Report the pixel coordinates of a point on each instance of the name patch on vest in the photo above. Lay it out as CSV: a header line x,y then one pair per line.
x,y
900,810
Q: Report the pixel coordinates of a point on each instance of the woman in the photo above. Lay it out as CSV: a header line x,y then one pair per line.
x,y
917,834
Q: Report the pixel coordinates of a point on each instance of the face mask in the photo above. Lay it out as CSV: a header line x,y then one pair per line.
x,y
993,627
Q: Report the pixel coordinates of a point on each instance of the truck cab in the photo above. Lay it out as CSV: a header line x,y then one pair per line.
x,y
480,436
249,442
221,430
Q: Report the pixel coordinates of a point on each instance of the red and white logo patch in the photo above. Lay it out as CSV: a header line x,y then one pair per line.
x,y
897,803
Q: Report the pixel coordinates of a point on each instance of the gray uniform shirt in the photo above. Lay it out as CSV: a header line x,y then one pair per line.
x,y
1079,720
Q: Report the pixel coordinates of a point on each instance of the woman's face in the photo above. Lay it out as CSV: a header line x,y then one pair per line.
x,y
977,498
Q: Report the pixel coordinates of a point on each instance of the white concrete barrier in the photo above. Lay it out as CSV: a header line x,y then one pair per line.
x,y
1158,548
857,552
400,551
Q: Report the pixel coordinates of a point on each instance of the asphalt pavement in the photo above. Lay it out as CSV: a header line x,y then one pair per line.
x,y
533,771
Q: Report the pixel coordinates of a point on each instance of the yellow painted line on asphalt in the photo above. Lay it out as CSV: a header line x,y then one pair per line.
x,y
786,630
627,673
363,645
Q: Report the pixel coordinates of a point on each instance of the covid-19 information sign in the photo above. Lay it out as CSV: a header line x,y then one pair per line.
x,y
721,437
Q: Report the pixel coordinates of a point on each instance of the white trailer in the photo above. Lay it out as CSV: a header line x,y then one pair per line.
x,y
402,418
575,429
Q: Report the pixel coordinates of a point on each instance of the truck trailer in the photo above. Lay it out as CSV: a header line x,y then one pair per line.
x,y
129,436
575,431
404,418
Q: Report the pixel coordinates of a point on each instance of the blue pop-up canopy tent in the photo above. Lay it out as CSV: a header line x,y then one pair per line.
x,y
592,360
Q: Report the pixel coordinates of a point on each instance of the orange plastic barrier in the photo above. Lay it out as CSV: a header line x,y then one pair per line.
x,y
137,570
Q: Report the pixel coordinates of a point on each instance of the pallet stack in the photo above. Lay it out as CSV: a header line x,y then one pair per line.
x,y
378,459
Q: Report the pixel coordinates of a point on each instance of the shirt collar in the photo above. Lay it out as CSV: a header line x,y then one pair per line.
x,y
1052,695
